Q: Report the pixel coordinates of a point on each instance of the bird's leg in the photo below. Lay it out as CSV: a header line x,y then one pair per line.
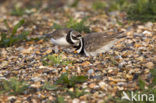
x,y
56,49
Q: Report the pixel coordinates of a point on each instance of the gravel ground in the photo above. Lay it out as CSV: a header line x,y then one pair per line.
x,y
117,70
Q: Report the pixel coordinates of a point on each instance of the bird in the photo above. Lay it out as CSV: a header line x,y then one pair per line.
x,y
95,43
65,37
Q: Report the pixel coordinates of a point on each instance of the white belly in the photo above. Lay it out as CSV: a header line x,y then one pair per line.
x,y
61,42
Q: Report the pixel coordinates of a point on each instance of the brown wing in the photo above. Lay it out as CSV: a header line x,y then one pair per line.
x,y
60,33
94,41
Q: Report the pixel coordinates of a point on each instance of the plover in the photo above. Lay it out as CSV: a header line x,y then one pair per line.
x,y
94,43
65,37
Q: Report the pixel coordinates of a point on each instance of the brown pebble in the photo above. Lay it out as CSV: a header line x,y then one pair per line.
x,y
149,65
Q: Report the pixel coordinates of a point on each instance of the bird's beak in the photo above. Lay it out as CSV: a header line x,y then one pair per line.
x,y
79,35
75,52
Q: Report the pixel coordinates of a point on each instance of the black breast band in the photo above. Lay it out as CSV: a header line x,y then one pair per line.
x,y
68,37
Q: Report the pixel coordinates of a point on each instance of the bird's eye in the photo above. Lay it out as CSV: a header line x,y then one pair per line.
x,y
78,35
74,37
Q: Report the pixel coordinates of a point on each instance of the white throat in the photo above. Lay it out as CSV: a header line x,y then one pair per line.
x,y
81,46
61,41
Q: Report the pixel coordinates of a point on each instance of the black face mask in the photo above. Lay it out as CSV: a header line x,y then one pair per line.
x,y
76,37
68,37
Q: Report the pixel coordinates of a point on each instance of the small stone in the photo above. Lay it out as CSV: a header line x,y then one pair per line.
x,y
102,85
129,33
110,70
114,13
3,53
64,70
149,24
42,67
122,64
84,85
75,100
36,85
71,89
92,85
51,98
90,71
129,77
85,63
48,51
149,65
3,64
96,94
24,102
67,67
34,101
83,102
97,77
100,101
27,51
147,71
2,78
154,58
137,45
36,79
97,29
121,83
138,34
79,70
120,88
84,97
147,33
141,58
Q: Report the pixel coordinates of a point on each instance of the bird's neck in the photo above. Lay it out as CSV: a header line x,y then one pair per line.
x,y
70,39
80,47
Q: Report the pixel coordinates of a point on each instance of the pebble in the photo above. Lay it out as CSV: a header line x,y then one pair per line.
x,y
100,101
36,79
76,100
103,85
121,83
97,77
132,58
120,88
148,33
92,85
3,64
79,70
27,51
34,101
90,71
67,67
149,24
138,34
149,65
3,78
83,102
141,58
122,64
84,85
3,53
